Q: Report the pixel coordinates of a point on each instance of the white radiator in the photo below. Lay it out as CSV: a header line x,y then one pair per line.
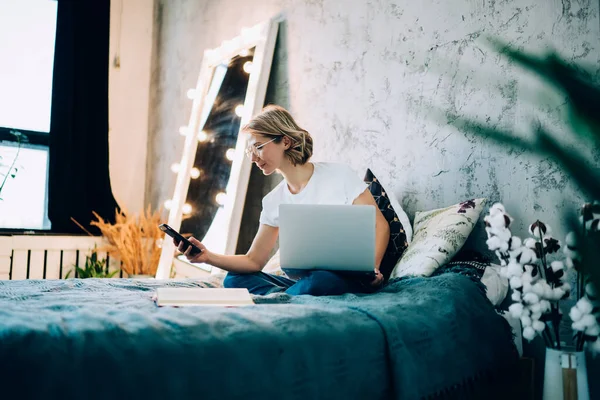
x,y
48,257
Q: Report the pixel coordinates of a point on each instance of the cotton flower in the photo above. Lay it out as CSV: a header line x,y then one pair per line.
x,y
593,330
575,314
529,333
557,265
527,278
536,315
545,306
527,256
497,208
514,269
529,243
515,243
531,298
539,289
515,282
531,270
535,308
515,296
539,229
538,326
526,320
584,306
516,310
495,243
503,234
588,320
578,326
495,221
558,293
516,253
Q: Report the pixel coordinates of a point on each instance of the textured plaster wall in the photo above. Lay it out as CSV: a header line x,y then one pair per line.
x,y
376,82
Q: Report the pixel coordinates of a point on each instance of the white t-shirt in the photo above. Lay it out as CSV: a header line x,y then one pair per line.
x,y
330,183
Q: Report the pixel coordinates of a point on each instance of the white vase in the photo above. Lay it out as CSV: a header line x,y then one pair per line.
x,y
565,375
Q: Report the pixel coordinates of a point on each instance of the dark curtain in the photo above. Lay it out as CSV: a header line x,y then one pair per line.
x,y
78,162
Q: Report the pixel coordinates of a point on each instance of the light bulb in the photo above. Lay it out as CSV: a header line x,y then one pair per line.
x,y
239,110
194,173
202,136
191,94
175,168
247,67
183,131
244,53
187,209
168,204
221,198
229,154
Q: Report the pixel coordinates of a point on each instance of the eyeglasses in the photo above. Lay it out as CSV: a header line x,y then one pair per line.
x,y
257,150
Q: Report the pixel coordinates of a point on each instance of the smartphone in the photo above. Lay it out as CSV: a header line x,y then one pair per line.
x,y
179,238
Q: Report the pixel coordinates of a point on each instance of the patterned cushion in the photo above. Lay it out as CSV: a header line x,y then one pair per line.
x,y
438,236
398,241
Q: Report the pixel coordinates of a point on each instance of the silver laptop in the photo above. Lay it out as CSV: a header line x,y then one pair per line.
x,y
328,237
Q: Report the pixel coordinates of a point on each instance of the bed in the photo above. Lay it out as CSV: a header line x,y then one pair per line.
x,y
436,337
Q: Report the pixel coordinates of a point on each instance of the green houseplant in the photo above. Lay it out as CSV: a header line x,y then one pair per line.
x,y
93,268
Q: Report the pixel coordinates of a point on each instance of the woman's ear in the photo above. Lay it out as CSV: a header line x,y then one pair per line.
x,y
287,142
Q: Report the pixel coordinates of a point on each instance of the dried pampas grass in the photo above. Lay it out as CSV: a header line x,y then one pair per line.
x,y
134,240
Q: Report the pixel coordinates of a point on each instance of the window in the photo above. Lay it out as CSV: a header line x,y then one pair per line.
x,y
27,36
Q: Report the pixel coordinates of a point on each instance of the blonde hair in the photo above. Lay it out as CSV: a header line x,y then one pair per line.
x,y
276,122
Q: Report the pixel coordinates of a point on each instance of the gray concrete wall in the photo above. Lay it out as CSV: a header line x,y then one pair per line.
x,y
367,79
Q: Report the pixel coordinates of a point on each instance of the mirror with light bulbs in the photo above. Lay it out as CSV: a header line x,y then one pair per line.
x,y
213,173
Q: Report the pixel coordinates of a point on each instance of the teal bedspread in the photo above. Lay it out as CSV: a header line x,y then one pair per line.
x,y
106,339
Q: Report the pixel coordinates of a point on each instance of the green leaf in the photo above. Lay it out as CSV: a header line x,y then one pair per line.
x,y
110,275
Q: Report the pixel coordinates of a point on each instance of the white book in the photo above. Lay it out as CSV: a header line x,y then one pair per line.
x,y
182,297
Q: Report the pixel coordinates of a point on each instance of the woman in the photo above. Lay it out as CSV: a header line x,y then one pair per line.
x,y
278,144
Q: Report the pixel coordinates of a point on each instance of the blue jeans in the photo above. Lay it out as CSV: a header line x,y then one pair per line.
x,y
316,283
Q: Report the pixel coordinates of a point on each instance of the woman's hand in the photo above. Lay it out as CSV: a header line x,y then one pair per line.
x,y
202,257
378,279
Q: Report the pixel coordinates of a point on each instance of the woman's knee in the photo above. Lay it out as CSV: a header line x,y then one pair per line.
x,y
320,283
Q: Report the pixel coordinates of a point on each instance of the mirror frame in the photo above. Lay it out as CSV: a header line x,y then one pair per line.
x,y
262,37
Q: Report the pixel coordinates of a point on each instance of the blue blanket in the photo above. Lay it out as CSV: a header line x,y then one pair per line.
x,y
105,338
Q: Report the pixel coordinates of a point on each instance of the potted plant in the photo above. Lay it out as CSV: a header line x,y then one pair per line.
x,y
133,239
538,275
527,262
93,268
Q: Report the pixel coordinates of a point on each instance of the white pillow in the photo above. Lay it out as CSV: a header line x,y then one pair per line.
x,y
496,284
437,237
